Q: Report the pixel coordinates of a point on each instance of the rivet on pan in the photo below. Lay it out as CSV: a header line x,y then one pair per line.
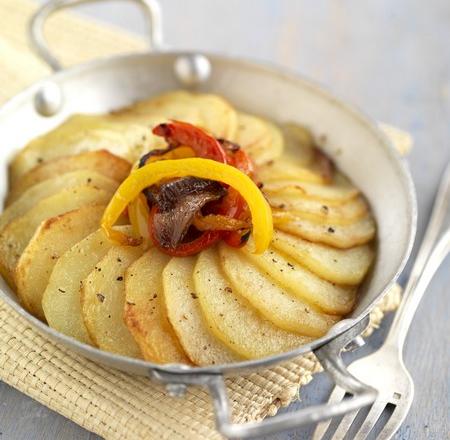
x,y
48,99
176,389
192,69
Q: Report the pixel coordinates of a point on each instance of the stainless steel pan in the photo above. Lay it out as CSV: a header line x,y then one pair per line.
x,y
356,143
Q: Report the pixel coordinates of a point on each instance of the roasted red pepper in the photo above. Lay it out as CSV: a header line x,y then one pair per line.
x,y
237,157
179,133
205,240
234,206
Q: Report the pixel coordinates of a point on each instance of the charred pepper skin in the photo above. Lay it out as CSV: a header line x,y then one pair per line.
x,y
178,133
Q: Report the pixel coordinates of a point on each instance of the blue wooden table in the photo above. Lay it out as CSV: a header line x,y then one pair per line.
x,y
390,58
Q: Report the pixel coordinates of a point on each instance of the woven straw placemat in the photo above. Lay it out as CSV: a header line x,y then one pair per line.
x,y
108,402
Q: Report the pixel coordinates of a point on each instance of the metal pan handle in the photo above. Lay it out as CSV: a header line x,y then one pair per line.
x,y
329,357
150,9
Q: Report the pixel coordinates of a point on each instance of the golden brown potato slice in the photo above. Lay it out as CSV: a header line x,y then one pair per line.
x,y
305,285
61,299
232,319
52,239
288,207
340,236
275,302
81,133
145,313
261,139
285,168
218,116
178,105
211,112
52,186
339,191
342,266
100,161
185,315
299,144
103,301
16,235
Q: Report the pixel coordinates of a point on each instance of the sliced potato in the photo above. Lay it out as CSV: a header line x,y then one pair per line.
x,y
339,191
103,302
218,116
343,266
273,301
178,105
340,236
285,168
288,207
52,186
261,139
101,161
232,319
185,315
81,133
61,300
299,144
302,283
52,239
211,112
145,313
15,236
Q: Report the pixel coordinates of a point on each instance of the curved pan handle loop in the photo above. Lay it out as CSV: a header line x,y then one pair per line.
x,y
150,9
329,357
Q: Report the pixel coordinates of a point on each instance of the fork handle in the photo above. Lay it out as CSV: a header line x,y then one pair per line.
x,y
429,258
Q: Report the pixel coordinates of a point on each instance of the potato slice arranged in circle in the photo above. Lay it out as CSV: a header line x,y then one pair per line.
x,y
186,317
210,112
288,207
339,236
261,139
218,116
52,186
171,105
145,312
305,285
103,302
100,161
343,266
232,319
286,168
273,301
80,133
341,190
52,239
16,235
61,300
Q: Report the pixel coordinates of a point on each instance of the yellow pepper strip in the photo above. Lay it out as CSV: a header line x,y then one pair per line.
x,y
154,172
138,212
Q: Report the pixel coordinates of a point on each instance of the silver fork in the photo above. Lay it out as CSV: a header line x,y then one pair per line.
x,y
385,370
